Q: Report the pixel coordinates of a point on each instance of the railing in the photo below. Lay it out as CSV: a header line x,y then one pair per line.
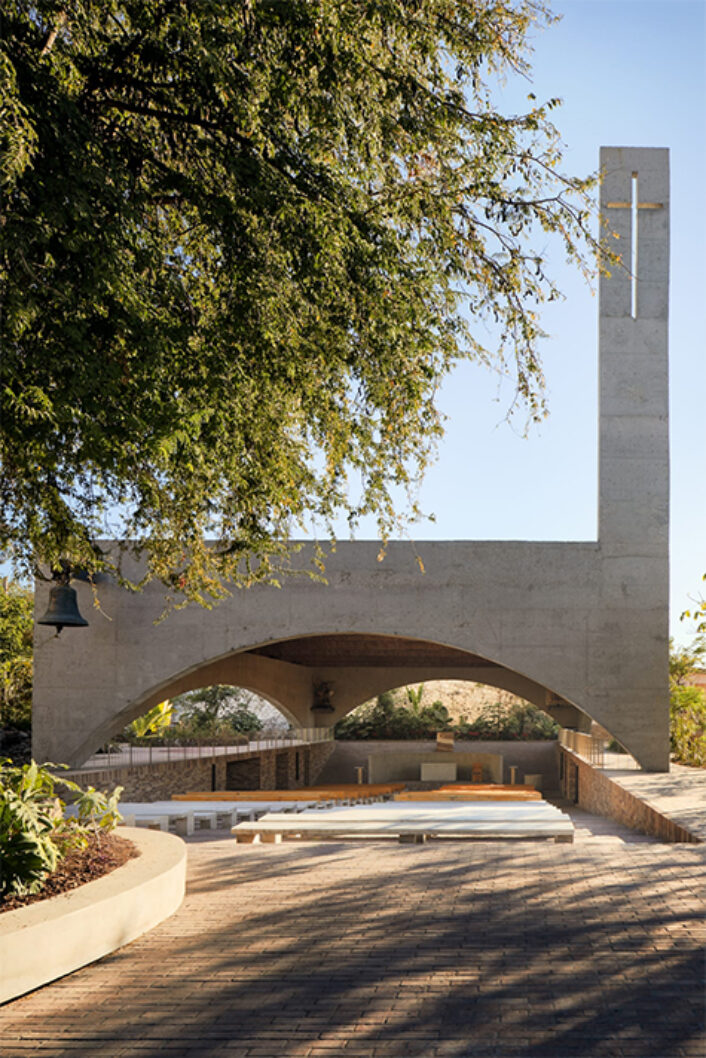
x,y
155,751
598,751
587,746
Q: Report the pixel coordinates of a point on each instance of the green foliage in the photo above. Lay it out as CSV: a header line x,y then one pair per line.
x,y
415,697
687,704
383,720
34,834
98,810
16,664
154,722
510,722
698,613
241,246
687,725
218,711
684,660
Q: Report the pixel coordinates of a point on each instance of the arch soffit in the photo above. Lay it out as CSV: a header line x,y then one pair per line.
x,y
494,674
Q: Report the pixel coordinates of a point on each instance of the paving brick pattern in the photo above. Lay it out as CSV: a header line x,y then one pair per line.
x,y
375,950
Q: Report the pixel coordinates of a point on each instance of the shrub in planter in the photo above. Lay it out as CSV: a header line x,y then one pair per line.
x,y
34,834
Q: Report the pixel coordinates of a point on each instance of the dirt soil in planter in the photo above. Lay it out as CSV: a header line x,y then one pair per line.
x,y
102,855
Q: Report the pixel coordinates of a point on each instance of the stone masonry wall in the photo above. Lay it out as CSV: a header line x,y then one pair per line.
x,y
591,789
155,782
317,756
252,771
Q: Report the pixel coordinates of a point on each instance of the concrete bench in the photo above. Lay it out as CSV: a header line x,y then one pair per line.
x,y
416,821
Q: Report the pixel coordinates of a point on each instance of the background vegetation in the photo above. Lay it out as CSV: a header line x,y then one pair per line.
x,y
16,658
219,713
687,709
388,718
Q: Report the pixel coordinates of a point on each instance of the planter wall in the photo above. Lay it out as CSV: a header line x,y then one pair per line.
x,y
53,937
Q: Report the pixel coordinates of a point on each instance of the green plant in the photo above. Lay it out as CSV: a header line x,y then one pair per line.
x,y
684,660
519,721
687,725
34,833
415,697
154,722
16,666
97,810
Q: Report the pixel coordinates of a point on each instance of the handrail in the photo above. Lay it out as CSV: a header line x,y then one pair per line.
x,y
587,746
158,752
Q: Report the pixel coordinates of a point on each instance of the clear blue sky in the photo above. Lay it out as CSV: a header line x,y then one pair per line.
x,y
630,73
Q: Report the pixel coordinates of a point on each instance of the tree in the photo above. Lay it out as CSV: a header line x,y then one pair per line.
x,y
16,659
687,704
698,614
220,708
684,660
242,245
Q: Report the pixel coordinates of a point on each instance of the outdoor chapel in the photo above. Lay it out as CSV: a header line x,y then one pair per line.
x,y
578,629
570,627
372,876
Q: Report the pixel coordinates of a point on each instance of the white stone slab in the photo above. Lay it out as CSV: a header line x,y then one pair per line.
x,y
438,772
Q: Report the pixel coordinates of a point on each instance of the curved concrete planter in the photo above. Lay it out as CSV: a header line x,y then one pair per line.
x,y
51,938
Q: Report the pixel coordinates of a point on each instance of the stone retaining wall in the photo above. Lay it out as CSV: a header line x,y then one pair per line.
x,y
591,789
257,770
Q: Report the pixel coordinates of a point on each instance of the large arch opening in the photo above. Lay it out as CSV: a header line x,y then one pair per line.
x,y
351,668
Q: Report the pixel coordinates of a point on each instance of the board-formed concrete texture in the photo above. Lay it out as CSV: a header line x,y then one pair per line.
x,y
580,628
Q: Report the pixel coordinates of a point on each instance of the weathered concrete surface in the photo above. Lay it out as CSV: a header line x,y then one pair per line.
x,y
584,624
526,757
404,763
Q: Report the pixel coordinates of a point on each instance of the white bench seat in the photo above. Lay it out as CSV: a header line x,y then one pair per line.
x,y
412,821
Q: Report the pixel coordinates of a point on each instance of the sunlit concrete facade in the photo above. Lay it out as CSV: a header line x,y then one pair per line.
x,y
578,628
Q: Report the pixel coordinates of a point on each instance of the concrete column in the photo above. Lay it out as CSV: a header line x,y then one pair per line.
x,y
629,631
633,339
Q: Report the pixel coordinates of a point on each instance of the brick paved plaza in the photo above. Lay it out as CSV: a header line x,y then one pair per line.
x,y
485,950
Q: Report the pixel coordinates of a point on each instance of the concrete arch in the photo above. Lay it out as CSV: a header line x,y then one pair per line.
x,y
356,665
586,621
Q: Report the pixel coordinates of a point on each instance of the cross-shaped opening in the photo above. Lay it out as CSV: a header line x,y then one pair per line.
x,y
634,205
633,246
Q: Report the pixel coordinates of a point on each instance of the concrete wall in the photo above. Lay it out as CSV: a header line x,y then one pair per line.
x,y
406,763
585,623
530,758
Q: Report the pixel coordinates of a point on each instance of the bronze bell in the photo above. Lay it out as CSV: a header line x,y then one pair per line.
x,y
62,609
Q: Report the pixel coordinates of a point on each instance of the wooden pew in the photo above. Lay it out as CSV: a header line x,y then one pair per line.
x,y
334,792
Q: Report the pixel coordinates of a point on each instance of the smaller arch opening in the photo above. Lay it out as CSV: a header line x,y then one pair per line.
x,y
468,710
221,713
